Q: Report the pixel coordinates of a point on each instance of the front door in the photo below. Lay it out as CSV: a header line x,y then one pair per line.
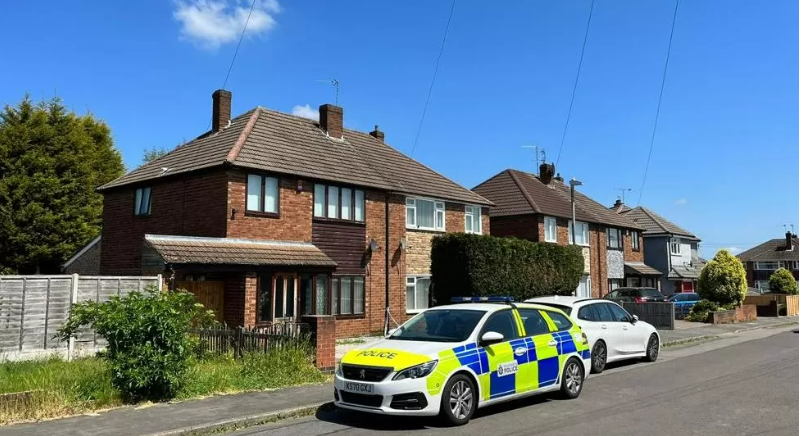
x,y
285,297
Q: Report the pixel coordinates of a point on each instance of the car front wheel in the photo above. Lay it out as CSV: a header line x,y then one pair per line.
x,y
459,400
652,350
598,357
572,378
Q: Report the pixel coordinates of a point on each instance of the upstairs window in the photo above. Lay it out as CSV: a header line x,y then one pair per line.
x,y
766,266
340,203
262,194
472,219
675,246
635,240
550,229
142,202
614,238
582,233
425,214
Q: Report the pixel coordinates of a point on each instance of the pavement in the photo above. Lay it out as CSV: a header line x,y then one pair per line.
x,y
217,414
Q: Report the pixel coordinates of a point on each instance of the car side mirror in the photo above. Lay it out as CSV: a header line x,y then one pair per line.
x,y
490,338
634,319
391,332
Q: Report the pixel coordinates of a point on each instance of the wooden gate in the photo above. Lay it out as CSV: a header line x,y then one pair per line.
x,y
209,293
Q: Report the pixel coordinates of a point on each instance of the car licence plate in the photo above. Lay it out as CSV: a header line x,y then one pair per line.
x,y
362,388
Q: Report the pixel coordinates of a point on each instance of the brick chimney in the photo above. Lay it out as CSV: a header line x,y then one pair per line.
x,y
789,241
220,109
618,204
377,134
331,120
546,172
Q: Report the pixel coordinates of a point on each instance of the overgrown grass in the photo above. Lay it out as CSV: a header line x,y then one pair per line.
x,y
61,388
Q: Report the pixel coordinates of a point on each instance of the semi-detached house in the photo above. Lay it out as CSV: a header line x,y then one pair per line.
x,y
288,216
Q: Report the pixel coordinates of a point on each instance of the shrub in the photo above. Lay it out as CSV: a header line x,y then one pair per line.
x,y
723,280
482,265
783,282
149,348
700,311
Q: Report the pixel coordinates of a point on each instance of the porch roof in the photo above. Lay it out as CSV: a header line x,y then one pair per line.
x,y
685,272
641,269
230,251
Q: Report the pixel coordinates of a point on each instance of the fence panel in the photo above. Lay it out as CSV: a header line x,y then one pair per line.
x,y
211,294
660,315
33,308
792,305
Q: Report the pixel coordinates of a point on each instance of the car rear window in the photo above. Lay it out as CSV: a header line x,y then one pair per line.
x,y
565,309
649,293
561,321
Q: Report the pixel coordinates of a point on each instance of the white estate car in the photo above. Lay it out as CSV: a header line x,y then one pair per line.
x,y
613,333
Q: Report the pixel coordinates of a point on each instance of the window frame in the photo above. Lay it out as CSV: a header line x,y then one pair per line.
x,y
609,231
415,278
622,283
439,206
758,264
138,201
354,194
583,228
539,313
338,297
314,277
496,313
677,243
473,212
546,223
634,235
263,196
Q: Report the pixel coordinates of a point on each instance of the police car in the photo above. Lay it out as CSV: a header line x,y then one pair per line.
x,y
450,360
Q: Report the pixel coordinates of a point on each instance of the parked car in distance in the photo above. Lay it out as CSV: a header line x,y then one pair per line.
x,y
636,295
684,302
613,334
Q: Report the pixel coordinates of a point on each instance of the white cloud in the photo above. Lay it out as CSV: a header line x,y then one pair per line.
x,y
680,201
305,111
212,23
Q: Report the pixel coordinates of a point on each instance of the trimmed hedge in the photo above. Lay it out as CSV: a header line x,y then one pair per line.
x,y
475,265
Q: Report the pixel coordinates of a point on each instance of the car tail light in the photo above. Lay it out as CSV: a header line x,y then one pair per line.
x,y
640,299
584,339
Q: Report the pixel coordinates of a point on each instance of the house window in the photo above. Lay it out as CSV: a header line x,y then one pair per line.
x,y
614,238
582,233
550,229
635,240
425,214
766,266
314,294
472,219
762,285
262,194
338,203
584,288
675,246
348,292
614,284
142,202
417,293
794,265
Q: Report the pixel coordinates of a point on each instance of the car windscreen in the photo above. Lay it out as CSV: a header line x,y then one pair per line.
x,y
563,308
649,293
445,325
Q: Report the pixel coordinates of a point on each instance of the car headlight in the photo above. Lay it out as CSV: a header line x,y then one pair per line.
x,y
339,370
417,371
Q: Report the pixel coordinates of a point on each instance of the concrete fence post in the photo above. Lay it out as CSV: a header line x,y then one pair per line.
x,y
73,300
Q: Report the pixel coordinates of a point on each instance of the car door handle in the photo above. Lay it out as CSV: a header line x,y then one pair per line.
x,y
625,327
552,343
603,326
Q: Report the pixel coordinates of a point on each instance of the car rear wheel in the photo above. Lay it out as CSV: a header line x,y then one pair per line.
x,y
652,350
459,400
572,378
598,357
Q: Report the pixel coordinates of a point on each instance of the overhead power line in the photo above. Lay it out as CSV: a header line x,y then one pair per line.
x,y
242,36
659,101
433,78
575,83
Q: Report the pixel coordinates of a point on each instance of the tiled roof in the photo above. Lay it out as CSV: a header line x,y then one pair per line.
x,y
273,141
518,193
654,223
228,251
639,268
774,249
685,272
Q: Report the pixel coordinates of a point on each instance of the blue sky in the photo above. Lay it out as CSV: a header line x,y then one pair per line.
x,y
725,160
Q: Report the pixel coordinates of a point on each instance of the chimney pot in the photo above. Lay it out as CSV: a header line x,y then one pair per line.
x,y
377,134
559,178
788,241
331,120
547,172
220,109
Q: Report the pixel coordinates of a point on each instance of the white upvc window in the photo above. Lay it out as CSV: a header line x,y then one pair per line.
x,y
472,219
675,246
582,232
417,293
793,265
766,266
762,285
584,289
425,214
550,229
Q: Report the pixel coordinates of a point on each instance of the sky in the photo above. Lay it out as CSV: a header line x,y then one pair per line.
x,y
725,155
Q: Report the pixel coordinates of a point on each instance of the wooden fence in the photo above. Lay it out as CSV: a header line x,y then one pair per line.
x,y
211,294
774,304
33,308
241,340
659,315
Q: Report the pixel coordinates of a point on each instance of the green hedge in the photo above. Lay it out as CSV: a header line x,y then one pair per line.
x,y
475,265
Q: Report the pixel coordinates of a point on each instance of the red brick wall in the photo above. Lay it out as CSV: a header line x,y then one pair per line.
x,y
324,332
294,222
520,226
192,205
598,264
251,298
630,255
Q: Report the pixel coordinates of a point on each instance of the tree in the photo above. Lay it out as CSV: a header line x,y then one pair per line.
x,y
722,281
783,282
152,154
51,161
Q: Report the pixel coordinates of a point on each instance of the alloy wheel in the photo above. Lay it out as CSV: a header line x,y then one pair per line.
x,y
573,374
599,356
461,399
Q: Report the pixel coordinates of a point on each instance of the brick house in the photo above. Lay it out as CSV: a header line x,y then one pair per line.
x,y
85,261
290,216
538,208
763,260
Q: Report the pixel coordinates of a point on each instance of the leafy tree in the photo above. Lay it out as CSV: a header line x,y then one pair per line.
x,y
149,347
152,154
722,281
783,282
51,161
